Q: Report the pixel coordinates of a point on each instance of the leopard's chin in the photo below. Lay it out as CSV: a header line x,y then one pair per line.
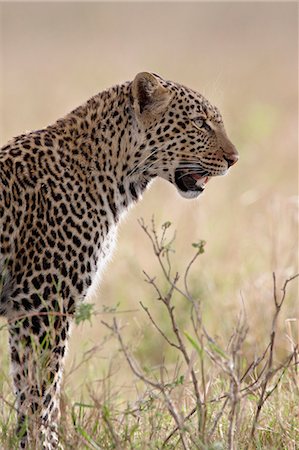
x,y
189,194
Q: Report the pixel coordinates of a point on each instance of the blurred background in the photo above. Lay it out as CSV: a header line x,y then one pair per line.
x,y
244,58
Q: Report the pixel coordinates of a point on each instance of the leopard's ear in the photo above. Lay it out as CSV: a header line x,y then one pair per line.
x,y
150,98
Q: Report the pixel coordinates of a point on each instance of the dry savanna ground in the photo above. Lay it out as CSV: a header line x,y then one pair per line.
x,y
135,374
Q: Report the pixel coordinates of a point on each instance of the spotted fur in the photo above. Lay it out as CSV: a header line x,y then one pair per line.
x,y
63,190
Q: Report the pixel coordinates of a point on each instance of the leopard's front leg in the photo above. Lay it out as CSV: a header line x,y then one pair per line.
x,y
38,346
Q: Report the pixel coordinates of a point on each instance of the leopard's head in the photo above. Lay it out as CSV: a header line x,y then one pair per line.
x,y
184,140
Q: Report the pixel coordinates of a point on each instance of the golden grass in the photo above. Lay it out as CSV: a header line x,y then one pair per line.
x,y
243,57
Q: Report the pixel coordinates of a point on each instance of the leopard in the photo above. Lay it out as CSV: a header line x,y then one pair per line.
x,y
63,191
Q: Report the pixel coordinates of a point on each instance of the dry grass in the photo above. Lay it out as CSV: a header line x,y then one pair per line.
x,y
206,392
242,56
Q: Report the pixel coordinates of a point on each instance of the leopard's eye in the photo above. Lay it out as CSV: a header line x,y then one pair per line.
x,y
200,123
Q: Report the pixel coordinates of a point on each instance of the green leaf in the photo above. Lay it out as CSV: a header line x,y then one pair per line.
x,y
166,225
84,312
194,344
110,309
217,350
88,438
200,246
252,398
180,380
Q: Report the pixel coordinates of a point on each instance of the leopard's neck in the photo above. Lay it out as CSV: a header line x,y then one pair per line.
x,y
102,139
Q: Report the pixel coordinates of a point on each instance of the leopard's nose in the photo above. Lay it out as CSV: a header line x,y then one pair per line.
x,y
230,153
232,158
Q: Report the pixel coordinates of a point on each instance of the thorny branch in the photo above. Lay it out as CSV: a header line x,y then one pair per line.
x,y
269,369
254,380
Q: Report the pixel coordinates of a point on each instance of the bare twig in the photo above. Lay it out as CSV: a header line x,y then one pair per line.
x,y
269,372
157,385
172,344
240,383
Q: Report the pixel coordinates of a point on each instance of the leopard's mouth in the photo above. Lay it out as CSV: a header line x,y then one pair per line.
x,y
190,181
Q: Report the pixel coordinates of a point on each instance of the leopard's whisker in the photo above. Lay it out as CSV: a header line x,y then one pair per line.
x,y
142,162
148,166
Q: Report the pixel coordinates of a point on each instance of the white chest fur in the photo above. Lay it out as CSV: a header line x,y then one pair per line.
x,y
102,259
